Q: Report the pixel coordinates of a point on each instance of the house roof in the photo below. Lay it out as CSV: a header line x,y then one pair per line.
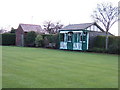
x,y
31,27
80,26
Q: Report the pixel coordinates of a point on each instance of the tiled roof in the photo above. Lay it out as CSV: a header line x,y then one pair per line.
x,y
32,27
81,26
77,26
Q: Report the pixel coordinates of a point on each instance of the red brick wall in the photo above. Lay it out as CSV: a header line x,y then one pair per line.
x,y
19,32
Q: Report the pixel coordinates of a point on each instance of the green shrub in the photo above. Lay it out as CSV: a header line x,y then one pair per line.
x,y
8,39
113,44
113,48
30,38
46,39
56,40
100,42
98,50
38,40
49,37
51,40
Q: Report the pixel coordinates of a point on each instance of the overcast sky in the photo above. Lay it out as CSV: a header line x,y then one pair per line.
x,y
67,12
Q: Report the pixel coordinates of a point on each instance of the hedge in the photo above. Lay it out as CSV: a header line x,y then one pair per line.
x,y
29,38
99,42
50,40
113,43
8,39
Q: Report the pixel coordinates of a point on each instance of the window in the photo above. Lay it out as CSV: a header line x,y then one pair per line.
x,y
84,36
80,37
65,37
70,37
75,37
84,33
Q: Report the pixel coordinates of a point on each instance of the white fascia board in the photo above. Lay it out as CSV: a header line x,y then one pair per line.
x,y
71,31
64,31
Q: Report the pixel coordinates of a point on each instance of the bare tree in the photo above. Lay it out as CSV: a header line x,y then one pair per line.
x,y
2,30
106,15
57,27
51,27
13,30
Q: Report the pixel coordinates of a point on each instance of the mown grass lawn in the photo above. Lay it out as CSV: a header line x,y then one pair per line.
x,y
46,68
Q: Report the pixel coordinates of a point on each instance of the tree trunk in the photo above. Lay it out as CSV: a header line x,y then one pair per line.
x,y
106,42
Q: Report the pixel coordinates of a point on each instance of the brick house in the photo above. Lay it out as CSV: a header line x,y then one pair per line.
x,y
25,28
